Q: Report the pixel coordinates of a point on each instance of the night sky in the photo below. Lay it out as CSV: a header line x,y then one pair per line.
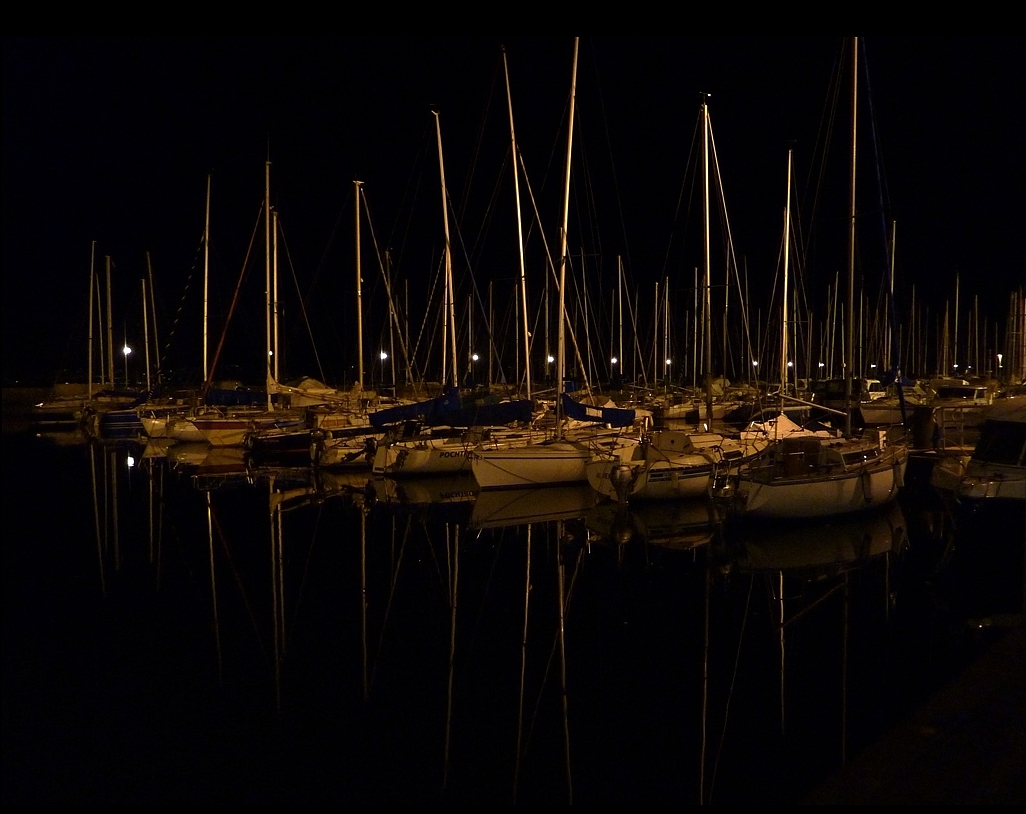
x,y
112,140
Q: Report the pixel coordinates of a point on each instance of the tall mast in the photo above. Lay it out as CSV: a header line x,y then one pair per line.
x,y
954,339
619,316
275,303
110,331
520,234
561,336
449,314
787,247
267,274
153,311
850,349
359,288
92,275
146,336
206,280
893,358
666,335
708,266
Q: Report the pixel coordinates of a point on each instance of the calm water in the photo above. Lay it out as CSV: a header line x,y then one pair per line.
x,y
174,635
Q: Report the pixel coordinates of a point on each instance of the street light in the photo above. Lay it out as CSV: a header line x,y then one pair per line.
x,y
126,350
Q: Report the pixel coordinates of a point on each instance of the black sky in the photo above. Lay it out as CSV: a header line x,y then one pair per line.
x,y
111,140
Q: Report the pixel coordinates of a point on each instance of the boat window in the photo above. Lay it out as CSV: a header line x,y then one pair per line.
x,y
953,392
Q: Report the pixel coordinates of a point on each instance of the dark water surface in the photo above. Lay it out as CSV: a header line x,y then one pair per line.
x,y
175,635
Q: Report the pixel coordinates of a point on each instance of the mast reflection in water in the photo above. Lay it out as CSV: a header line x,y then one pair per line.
x,y
195,631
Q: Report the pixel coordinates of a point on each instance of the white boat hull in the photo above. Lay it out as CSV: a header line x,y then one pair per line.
x,y
822,497
543,464
428,457
654,480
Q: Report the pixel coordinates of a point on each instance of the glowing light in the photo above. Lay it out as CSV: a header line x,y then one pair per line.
x,y
384,356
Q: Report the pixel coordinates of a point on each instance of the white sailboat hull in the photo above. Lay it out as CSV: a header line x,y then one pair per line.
x,y
823,496
653,480
429,457
547,463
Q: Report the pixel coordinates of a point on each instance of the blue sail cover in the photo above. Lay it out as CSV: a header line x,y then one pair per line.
x,y
611,416
450,409
449,400
485,413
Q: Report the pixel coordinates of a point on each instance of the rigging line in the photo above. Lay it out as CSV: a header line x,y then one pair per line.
x,y
299,294
888,244
181,303
235,299
436,281
690,171
321,263
552,270
489,210
394,309
480,616
728,237
570,330
824,137
410,192
465,197
238,581
730,692
392,588
609,146
477,296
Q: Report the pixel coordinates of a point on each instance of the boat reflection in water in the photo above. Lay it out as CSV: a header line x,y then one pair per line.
x,y
815,549
351,639
829,589
423,492
682,524
496,508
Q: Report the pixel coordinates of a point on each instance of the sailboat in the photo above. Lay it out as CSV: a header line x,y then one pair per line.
x,y
436,436
218,427
670,463
581,431
74,406
804,473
